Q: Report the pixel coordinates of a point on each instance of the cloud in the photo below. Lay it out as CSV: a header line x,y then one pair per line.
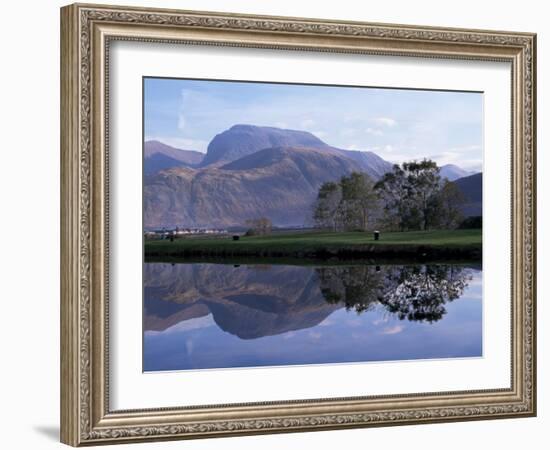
x,y
325,323
380,321
385,121
186,325
189,346
315,335
181,121
389,148
181,143
348,132
374,131
354,323
319,134
186,97
307,124
461,156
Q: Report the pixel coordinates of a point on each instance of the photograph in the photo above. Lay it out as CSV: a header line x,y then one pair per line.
x,y
289,221
301,224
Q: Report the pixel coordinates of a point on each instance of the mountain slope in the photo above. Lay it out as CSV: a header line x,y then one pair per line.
x,y
369,162
452,172
158,156
279,183
472,188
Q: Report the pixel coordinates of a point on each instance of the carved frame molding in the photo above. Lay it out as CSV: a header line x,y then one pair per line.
x,y
86,31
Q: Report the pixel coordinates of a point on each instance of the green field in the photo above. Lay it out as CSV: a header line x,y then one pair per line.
x,y
439,244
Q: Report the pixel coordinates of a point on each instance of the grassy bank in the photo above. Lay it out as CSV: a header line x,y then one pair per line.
x,y
455,244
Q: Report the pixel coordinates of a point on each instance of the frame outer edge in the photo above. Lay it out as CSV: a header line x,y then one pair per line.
x,y
70,299
533,229
79,232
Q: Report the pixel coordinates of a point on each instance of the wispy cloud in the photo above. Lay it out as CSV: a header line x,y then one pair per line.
x,y
181,121
461,156
307,124
315,335
319,134
374,131
187,325
385,121
181,143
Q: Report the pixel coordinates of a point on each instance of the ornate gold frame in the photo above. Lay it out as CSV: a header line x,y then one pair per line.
x,y
86,31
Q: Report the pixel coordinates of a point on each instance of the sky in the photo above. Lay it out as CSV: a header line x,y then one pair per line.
x,y
397,124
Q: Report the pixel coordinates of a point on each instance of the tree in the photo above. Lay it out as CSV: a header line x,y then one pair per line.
x,y
408,193
359,201
326,206
259,226
391,190
348,204
445,209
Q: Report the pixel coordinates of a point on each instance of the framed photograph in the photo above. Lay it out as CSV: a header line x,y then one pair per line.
x,y
276,224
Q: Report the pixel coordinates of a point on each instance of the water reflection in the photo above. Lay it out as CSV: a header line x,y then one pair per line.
x,y
417,293
215,315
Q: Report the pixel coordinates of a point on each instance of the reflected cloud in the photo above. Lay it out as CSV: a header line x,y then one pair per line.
x,y
393,330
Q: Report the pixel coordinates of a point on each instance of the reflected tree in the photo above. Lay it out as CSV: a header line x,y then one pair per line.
x,y
357,287
420,293
414,293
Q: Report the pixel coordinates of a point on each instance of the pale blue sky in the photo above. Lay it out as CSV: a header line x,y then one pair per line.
x,y
396,124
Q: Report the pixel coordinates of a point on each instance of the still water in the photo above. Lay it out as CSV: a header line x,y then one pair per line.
x,y
199,316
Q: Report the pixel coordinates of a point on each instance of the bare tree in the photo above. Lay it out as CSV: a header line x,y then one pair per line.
x,y
259,226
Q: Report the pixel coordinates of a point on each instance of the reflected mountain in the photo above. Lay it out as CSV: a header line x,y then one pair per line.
x,y
256,301
246,301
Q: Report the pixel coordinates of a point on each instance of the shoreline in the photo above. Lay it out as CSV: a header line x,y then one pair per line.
x,y
372,252
412,246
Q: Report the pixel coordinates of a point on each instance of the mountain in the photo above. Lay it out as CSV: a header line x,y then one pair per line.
x,y
158,156
472,188
243,140
453,172
250,172
279,183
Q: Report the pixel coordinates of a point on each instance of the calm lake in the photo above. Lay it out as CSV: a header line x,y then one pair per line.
x,y
199,316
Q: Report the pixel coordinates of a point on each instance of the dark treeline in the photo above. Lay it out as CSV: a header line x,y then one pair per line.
x,y
412,196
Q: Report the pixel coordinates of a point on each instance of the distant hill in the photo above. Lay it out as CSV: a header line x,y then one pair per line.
x,y
472,188
159,156
279,183
453,172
